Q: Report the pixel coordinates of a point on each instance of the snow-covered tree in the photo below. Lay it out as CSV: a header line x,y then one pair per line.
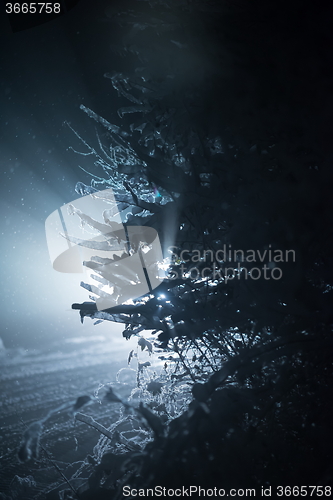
x,y
214,152
214,148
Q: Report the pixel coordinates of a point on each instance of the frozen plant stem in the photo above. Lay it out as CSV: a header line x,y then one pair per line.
x,y
60,472
90,421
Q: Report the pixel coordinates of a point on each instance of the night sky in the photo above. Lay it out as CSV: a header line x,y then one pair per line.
x,y
46,72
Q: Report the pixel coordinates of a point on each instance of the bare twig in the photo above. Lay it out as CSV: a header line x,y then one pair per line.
x,y
90,421
60,472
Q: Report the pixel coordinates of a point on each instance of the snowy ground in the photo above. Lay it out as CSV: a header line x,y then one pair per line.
x,y
32,383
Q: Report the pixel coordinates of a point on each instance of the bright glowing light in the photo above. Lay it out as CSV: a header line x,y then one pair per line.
x,y
164,264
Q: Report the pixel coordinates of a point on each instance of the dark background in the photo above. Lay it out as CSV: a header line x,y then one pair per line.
x,y
272,80
273,83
